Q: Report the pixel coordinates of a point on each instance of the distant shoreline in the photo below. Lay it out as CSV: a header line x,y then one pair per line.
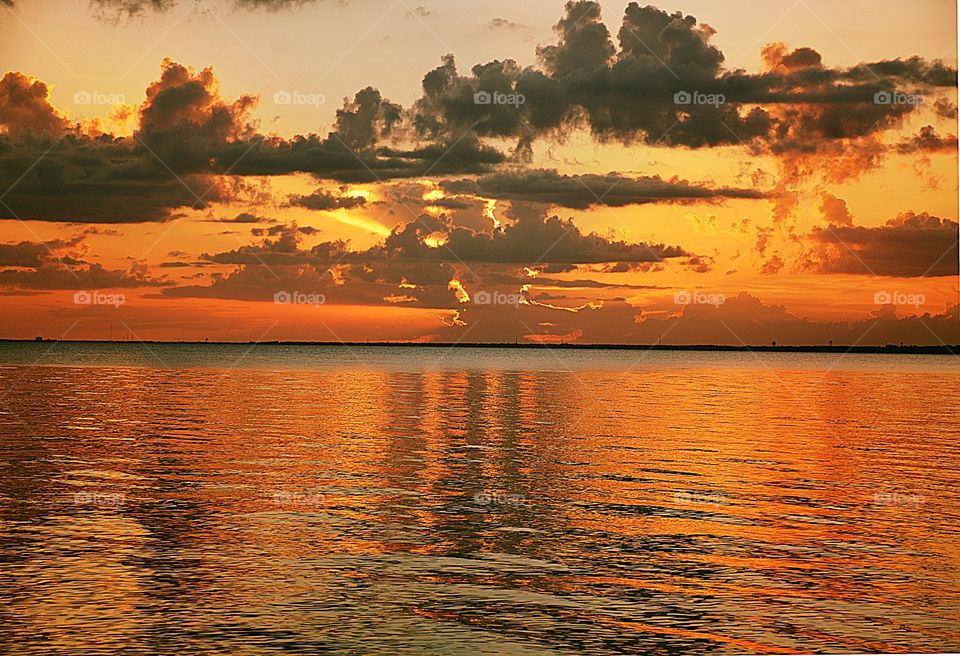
x,y
894,349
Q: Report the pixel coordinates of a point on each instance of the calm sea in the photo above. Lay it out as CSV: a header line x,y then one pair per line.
x,y
373,500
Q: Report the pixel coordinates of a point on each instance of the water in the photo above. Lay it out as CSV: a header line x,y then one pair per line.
x,y
306,500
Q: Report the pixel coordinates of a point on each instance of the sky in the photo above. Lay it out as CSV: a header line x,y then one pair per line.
x,y
554,172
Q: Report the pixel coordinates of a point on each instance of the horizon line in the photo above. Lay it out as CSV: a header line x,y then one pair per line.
x,y
915,349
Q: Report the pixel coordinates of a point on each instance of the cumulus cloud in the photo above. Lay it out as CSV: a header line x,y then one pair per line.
x,y
25,105
628,94
813,117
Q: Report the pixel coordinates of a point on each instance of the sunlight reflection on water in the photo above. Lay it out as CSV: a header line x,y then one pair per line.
x,y
479,510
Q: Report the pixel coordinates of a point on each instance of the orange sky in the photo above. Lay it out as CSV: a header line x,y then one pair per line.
x,y
320,173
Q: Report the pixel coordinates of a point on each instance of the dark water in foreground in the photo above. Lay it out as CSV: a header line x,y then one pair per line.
x,y
321,500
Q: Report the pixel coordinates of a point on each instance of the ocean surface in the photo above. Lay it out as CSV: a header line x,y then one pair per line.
x,y
247,499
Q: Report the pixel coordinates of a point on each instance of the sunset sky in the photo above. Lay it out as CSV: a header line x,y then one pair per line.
x,y
325,170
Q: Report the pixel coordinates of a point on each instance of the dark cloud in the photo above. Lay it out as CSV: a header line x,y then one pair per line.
x,y
95,180
531,240
928,141
835,211
281,246
192,145
184,120
367,120
58,264
25,105
321,200
583,191
628,94
94,276
245,217
30,254
745,319
187,139
910,245
584,43
741,319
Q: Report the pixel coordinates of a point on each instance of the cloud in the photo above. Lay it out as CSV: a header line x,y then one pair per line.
x,y
93,276
25,105
909,245
191,149
531,240
741,319
798,107
745,319
134,8
835,210
504,24
245,217
184,117
928,141
584,191
58,264
30,254
321,200
192,146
